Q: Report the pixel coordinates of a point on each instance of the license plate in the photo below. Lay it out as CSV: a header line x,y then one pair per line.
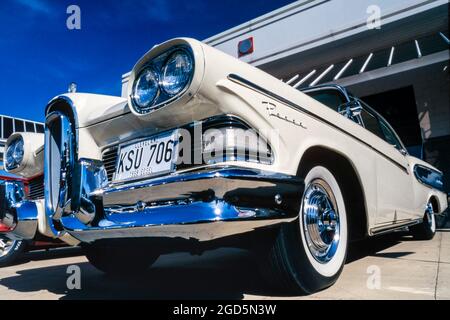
x,y
154,156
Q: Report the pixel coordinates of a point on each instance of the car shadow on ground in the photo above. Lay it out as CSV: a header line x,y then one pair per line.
x,y
48,254
373,247
219,274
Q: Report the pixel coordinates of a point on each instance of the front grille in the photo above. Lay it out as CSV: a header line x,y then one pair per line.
x,y
109,158
36,188
110,155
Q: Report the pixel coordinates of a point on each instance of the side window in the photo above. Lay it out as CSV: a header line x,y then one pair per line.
x,y
390,136
371,123
331,98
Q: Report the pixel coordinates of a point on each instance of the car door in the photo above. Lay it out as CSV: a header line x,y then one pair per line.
x,y
395,198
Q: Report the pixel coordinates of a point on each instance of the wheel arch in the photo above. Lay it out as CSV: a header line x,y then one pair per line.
x,y
343,168
435,202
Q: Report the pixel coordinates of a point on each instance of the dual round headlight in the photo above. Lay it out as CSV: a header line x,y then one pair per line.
x,y
157,85
146,88
176,73
14,154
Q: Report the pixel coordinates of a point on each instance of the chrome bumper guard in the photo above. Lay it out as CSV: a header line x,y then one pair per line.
x,y
18,217
203,205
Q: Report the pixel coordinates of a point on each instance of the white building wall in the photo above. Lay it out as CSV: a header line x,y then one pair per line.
x,y
307,24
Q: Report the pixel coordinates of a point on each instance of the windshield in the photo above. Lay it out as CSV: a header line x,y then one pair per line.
x,y
381,127
331,98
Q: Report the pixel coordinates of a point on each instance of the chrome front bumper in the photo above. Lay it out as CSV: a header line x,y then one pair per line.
x,y
203,205
18,217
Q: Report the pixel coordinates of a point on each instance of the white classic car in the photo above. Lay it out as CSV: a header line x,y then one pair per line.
x,y
22,210
209,151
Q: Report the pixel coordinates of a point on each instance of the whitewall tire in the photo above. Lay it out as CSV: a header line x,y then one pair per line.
x,y
309,254
329,261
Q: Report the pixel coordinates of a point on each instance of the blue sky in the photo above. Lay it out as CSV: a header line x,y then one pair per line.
x,y
39,56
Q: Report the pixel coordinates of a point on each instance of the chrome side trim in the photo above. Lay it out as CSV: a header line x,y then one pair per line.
x,y
251,85
394,227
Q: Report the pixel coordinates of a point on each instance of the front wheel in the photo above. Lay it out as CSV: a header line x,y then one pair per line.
x,y
308,256
119,260
10,250
427,229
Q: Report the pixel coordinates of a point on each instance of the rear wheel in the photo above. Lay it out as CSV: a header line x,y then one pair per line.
x,y
119,260
427,229
309,255
10,250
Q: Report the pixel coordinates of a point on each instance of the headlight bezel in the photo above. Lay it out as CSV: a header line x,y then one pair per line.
x,y
158,64
14,163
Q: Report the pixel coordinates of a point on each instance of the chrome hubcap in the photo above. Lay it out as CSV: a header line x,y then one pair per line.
x,y
430,216
6,246
320,221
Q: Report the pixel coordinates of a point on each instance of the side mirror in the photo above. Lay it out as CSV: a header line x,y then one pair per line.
x,y
350,109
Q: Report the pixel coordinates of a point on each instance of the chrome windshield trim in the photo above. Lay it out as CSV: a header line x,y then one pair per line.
x,y
336,87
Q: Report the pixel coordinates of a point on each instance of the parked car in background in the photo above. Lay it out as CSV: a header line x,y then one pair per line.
x,y
15,189
207,151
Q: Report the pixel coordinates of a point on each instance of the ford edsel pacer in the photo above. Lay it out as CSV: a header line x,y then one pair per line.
x,y
22,187
208,151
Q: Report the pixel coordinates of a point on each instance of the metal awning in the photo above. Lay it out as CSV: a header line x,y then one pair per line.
x,y
384,58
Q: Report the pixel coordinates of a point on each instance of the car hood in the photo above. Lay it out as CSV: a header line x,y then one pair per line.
x,y
91,109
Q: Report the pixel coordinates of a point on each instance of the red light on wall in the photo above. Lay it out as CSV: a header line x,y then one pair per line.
x,y
246,47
